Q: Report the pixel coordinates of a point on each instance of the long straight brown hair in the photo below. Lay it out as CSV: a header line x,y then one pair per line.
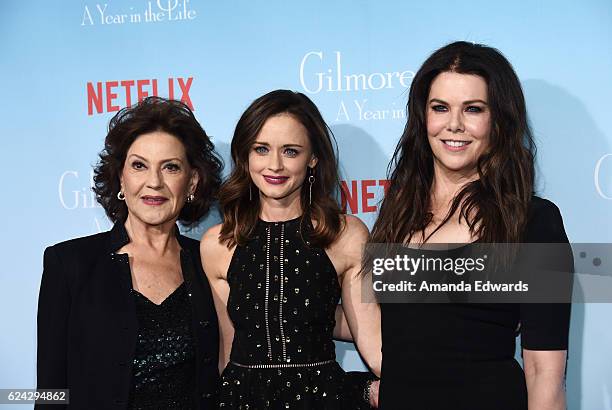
x,y
495,206
241,210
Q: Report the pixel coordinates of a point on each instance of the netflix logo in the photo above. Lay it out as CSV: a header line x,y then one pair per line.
x,y
361,196
111,96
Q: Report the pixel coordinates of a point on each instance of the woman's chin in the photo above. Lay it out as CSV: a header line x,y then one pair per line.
x,y
457,167
152,218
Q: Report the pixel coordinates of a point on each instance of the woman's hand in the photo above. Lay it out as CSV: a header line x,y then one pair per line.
x,y
374,387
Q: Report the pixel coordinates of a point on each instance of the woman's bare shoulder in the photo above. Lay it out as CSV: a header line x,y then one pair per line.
x,y
350,242
354,230
216,255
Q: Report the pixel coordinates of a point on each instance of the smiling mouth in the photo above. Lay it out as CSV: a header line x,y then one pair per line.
x,y
456,143
154,200
274,179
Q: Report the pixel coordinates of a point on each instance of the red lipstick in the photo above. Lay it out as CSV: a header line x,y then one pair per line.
x,y
154,200
275,179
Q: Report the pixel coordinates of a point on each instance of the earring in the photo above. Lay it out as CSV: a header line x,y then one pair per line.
x,y
190,198
311,180
120,196
250,192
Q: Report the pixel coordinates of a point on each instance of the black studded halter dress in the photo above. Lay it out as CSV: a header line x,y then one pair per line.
x,y
283,295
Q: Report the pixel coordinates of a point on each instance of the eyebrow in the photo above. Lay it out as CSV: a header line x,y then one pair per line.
x,y
163,160
464,103
284,146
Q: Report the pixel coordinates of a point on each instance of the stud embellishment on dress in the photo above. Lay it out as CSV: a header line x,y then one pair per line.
x,y
284,365
267,293
282,275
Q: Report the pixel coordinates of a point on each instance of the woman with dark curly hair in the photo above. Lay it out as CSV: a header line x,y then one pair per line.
x,y
126,317
463,172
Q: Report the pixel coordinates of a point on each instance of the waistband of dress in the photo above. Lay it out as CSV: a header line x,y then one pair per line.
x,y
282,365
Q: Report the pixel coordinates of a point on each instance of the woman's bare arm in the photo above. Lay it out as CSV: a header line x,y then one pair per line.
x,y
363,317
341,330
545,377
216,258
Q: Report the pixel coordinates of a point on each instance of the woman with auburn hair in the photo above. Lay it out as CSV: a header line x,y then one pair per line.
x,y
279,263
463,172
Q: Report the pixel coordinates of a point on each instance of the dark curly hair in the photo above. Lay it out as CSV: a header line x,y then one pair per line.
x,y
157,114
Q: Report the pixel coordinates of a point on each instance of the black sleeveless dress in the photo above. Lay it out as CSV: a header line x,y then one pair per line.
x,y
461,356
282,301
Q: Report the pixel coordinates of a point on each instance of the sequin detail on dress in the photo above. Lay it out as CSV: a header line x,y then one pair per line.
x,y
282,301
163,374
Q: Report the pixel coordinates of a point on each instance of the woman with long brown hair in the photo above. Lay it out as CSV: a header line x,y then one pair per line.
x,y
280,261
463,172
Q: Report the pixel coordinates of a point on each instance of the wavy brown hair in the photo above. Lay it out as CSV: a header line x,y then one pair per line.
x,y
495,206
157,114
240,213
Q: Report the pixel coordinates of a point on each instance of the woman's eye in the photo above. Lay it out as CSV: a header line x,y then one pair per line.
x,y
261,149
473,108
438,108
172,167
138,165
291,152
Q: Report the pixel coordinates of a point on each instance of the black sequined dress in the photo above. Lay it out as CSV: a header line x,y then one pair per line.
x,y
282,301
164,361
